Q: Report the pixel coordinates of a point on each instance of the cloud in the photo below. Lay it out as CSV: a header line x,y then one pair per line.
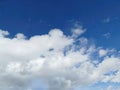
x,y
102,52
62,62
110,19
112,87
109,88
3,33
107,20
77,30
107,35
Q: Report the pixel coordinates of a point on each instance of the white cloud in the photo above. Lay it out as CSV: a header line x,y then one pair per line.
x,y
20,36
77,31
56,59
102,52
3,33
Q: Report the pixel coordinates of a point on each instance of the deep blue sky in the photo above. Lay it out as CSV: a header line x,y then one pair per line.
x,y
39,16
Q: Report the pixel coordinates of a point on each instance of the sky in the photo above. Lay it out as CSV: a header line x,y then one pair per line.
x,y
59,44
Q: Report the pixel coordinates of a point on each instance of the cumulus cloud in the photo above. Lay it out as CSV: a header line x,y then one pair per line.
x,y
102,52
3,33
62,62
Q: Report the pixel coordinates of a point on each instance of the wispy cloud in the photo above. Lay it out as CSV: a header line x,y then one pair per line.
x,y
110,19
107,20
107,35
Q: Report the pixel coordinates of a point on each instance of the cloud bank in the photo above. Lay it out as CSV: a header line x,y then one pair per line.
x,y
62,62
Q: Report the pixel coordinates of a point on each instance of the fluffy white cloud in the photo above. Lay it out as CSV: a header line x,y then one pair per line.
x,y
102,52
3,33
63,62
77,31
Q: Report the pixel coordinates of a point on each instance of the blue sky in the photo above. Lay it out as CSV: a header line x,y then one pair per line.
x,y
98,19
39,16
